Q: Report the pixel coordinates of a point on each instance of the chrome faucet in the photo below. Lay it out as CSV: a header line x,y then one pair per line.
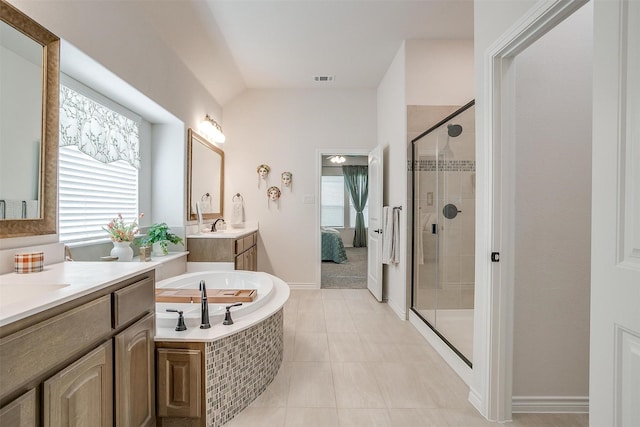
x,y
213,226
204,307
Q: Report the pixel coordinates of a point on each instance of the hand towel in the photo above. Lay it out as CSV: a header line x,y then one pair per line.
x,y
12,209
236,211
390,235
32,209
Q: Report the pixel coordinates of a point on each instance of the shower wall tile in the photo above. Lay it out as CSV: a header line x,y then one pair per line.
x,y
431,165
467,268
467,184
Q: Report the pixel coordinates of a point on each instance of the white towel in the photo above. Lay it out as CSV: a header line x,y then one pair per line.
x,y
390,235
32,209
236,211
13,209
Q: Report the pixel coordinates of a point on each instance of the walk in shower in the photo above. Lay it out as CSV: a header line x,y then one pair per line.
x,y
443,172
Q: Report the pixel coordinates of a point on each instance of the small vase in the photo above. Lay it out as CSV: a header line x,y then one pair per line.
x,y
157,250
123,251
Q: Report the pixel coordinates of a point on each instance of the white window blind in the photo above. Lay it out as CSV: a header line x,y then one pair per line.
x,y
332,203
92,192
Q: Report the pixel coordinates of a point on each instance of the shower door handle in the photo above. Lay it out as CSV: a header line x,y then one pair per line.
x,y
434,228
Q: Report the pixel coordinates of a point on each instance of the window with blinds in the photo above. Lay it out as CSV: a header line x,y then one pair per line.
x,y
92,192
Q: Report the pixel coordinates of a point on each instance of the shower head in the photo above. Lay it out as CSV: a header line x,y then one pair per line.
x,y
454,130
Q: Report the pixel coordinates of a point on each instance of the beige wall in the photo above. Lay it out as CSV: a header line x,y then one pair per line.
x,y
553,212
284,129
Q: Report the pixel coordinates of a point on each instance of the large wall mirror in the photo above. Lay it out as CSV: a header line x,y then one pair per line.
x,y
205,178
29,77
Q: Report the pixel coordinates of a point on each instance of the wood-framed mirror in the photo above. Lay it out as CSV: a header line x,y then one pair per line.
x,y
205,178
28,125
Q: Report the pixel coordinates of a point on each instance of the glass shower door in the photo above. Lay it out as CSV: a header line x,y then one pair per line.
x,y
444,229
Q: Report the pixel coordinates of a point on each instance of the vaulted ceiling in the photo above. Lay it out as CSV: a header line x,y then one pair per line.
x,y
231,45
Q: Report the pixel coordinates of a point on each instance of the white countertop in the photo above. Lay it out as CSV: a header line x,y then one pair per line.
x,y
227,233
23,295
279,295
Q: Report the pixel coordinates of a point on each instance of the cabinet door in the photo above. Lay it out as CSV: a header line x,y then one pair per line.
x,y
254,259
21,412
179,382
239,265
82,393
135,373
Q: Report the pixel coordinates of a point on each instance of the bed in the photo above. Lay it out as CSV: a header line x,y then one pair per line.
x,y
332,246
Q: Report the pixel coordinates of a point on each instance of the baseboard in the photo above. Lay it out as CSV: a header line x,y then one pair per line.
x,y
303,286
550,404
476,401
397,310
453,360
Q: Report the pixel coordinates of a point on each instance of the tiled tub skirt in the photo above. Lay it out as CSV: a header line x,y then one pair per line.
x,y
240,367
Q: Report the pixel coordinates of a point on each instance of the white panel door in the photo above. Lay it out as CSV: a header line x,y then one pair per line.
x,y
615,264
374,233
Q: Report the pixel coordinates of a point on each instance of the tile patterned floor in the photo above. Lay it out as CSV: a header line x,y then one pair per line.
x,y
349,362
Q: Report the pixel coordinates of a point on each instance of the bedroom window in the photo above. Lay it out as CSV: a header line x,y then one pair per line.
x,y
332,203
99,162
336,206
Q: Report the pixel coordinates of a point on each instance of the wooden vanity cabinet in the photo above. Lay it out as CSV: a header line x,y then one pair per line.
x,y
74,356
181,386
22,412
82,393
135,375
242,251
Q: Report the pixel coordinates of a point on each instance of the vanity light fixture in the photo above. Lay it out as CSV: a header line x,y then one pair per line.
x,y
211,130
337,159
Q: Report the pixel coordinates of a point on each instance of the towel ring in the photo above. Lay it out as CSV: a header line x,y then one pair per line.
x,y
237,196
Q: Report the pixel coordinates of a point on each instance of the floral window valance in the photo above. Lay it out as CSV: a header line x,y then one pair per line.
x,y
98,131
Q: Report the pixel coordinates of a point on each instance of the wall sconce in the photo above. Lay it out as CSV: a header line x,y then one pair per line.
x,y
337,159
211,130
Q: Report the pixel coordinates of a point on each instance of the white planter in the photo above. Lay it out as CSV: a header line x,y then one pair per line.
x,y
123,251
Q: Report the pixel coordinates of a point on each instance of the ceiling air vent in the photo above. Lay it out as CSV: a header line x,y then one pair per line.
x,y
323,78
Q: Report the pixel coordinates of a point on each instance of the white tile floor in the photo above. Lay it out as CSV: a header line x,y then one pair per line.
x,y
349,361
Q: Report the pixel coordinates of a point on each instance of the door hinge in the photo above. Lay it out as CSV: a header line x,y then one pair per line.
x,y
495,256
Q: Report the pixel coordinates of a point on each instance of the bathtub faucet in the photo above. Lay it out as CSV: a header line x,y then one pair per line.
x,y
204,307
213,226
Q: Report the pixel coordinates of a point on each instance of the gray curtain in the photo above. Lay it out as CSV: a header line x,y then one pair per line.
x,y
356,178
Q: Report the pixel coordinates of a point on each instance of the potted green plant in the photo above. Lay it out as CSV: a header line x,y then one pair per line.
x,y
161,235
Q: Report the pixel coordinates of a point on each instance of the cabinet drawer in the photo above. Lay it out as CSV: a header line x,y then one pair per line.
x,y
249,241
29,353
131,302
239,246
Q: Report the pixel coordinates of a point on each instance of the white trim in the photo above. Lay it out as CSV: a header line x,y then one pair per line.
x,y
402,314
453,360
317,237
494,231
551,404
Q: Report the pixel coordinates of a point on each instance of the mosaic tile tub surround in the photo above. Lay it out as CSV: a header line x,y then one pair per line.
x,y
239,368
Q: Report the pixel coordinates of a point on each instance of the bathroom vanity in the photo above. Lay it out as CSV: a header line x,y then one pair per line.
x,y
237,246
79,351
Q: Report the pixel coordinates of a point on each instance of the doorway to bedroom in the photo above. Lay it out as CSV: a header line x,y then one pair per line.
x,y
343,221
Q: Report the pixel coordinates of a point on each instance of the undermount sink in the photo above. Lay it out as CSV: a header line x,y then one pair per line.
x,y
14,293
